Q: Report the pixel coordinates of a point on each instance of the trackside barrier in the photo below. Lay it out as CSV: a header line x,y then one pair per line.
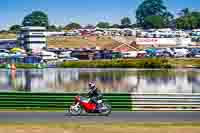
x,y
56,101
165,102
118,101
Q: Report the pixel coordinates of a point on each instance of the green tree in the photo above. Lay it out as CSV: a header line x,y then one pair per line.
x,y
189,20
15,28
185,11
72,26
126,22
152,8
154,21
59,28
103,25
52,28
36,18
115,26
134,25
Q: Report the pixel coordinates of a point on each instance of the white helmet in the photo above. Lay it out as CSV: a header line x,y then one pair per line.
x,y
91,85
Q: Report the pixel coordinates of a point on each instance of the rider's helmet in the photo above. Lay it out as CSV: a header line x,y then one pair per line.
x,y
92,85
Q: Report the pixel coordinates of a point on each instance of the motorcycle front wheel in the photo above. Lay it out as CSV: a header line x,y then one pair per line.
x,y
75,110
106,109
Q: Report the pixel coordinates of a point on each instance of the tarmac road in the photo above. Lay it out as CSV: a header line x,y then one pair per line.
x,y
114,117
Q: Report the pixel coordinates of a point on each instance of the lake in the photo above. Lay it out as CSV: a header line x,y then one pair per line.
x,y
108,80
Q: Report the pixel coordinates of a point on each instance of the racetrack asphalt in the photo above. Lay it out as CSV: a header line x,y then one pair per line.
x,y
114,117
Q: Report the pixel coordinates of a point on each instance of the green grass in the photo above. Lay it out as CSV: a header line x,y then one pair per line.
x,y
28,66
134,63
123,63
24,66
188,62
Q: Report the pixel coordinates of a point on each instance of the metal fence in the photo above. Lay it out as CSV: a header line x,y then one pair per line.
x,y
166,102
56,101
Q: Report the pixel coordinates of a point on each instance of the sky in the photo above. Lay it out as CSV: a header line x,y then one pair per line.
x,y
62,12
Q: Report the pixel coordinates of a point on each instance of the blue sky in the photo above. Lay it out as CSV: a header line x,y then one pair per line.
x,y
85,12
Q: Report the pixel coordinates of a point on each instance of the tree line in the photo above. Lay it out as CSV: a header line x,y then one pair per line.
x,y
39,18
149,14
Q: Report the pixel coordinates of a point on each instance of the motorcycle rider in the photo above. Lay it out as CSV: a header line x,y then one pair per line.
x,y
94,94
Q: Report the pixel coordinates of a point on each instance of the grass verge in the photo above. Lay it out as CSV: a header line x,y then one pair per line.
x,y
123,63
136,63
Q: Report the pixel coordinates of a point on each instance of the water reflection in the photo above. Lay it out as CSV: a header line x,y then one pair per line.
x,y
108,80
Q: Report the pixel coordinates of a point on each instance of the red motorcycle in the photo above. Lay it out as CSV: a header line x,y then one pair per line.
x,y
82,103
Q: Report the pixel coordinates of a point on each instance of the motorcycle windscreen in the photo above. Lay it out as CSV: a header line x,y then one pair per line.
x,y
85,100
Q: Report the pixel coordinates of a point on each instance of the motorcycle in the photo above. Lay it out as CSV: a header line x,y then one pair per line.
x,y
83,104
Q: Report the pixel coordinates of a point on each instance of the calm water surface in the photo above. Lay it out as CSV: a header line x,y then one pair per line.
x,y
108,80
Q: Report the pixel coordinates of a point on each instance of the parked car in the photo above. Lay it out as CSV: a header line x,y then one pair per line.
x,y
4,51
141,54
68,59
151,52
65,54
130,54
195,52
164,53
160,53
98,55
116,55
17,54
181,52
48,55
4,54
